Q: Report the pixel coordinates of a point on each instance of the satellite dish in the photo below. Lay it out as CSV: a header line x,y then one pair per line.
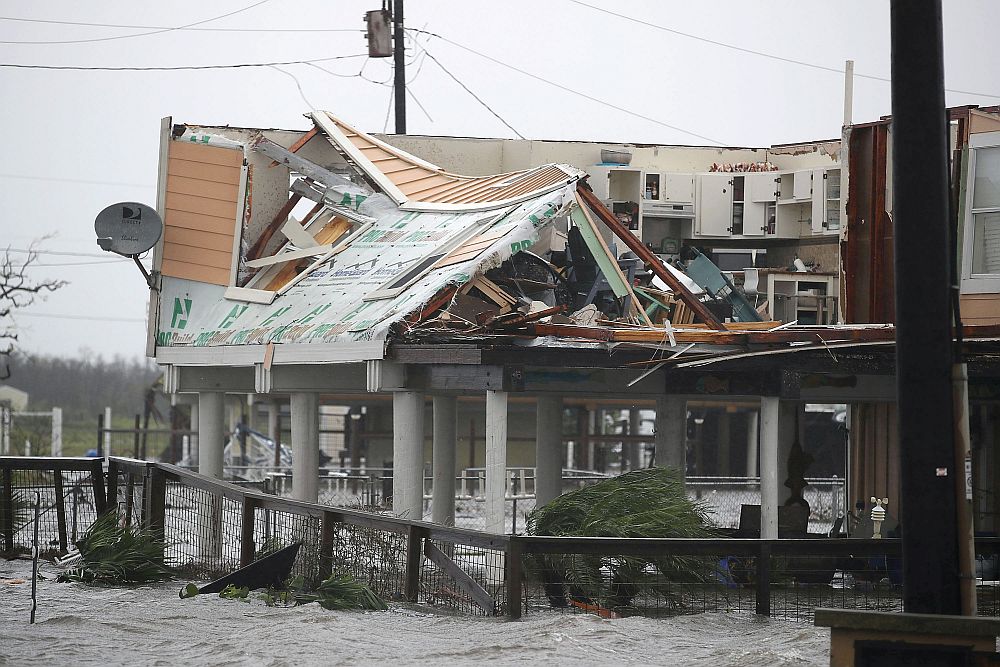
x,y
128,228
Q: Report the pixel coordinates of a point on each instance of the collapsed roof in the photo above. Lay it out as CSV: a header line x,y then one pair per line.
x,y
398,249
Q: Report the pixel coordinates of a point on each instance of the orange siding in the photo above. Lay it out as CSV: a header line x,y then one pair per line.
x,y
980,309
201,212
425,183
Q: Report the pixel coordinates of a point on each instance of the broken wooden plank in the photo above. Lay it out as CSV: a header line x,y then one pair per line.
x,y
462,579
296,233
299,143
289,256
616,270
276,222
646,255
492,291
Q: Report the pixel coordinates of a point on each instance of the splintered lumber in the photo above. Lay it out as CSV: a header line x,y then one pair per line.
x,y
734,326
302,141
272,227
612,272
492,291
694,335
646,255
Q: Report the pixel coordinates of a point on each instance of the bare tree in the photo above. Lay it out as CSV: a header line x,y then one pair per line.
x,y
18,290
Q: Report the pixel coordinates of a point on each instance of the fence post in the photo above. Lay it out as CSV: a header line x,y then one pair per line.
x,y
135,440
112,497
414,554
60,509
326,539
97,479
764,578
156,499
248,548
8,510
514,577
100,434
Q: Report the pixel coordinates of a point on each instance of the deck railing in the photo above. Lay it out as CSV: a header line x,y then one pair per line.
x,y
211,527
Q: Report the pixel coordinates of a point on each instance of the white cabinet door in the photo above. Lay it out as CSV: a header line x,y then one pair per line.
x,y
761,187
818,201
754,214
802,185
678,188
599,181
715,204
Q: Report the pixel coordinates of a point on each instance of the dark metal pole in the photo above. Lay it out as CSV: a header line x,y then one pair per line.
x,y
399,66
923,314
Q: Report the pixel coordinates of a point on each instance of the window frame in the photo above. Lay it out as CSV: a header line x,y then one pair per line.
x,y
976,283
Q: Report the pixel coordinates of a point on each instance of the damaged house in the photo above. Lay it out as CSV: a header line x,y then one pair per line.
x,y
332,266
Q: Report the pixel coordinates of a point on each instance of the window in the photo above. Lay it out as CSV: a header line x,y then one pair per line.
x,y
981,252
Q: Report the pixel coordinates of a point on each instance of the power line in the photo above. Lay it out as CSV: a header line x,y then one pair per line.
x,y
80,68
92,263
24,177
474,96
567,89
754,52
180,28
298,84
92,318
61,253
140,34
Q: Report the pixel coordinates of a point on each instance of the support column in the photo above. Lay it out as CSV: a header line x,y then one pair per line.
x,y
305,446
56,431
724,442
769,428
632,447
274,430
753,438
496,460
195,425
548,449
211,432
407,454
443,460
670,436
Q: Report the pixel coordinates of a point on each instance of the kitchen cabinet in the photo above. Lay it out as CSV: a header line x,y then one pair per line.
x,y
678,188
714,212
825,201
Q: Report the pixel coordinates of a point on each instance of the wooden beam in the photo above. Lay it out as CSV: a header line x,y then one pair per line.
x,y
97,479
411,582
276,222
60,510
462,579
646,255
615,269
8,513
299,143
248,547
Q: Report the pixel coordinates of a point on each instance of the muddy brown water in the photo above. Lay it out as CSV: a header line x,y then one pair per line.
x,y
150,625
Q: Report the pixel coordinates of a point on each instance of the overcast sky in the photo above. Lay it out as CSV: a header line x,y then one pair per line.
x,y
76,141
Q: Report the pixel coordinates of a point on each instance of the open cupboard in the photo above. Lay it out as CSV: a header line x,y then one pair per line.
x,y
663,207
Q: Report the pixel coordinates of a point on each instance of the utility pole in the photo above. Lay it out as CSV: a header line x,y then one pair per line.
x,y
399,66
924,254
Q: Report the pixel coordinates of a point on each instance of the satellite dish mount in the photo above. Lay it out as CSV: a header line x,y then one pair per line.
x,y
130,229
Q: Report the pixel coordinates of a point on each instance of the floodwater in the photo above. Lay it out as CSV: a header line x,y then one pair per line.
x,y
84,625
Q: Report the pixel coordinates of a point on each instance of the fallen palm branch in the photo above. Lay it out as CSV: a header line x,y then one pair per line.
x,y
111,553
644,503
